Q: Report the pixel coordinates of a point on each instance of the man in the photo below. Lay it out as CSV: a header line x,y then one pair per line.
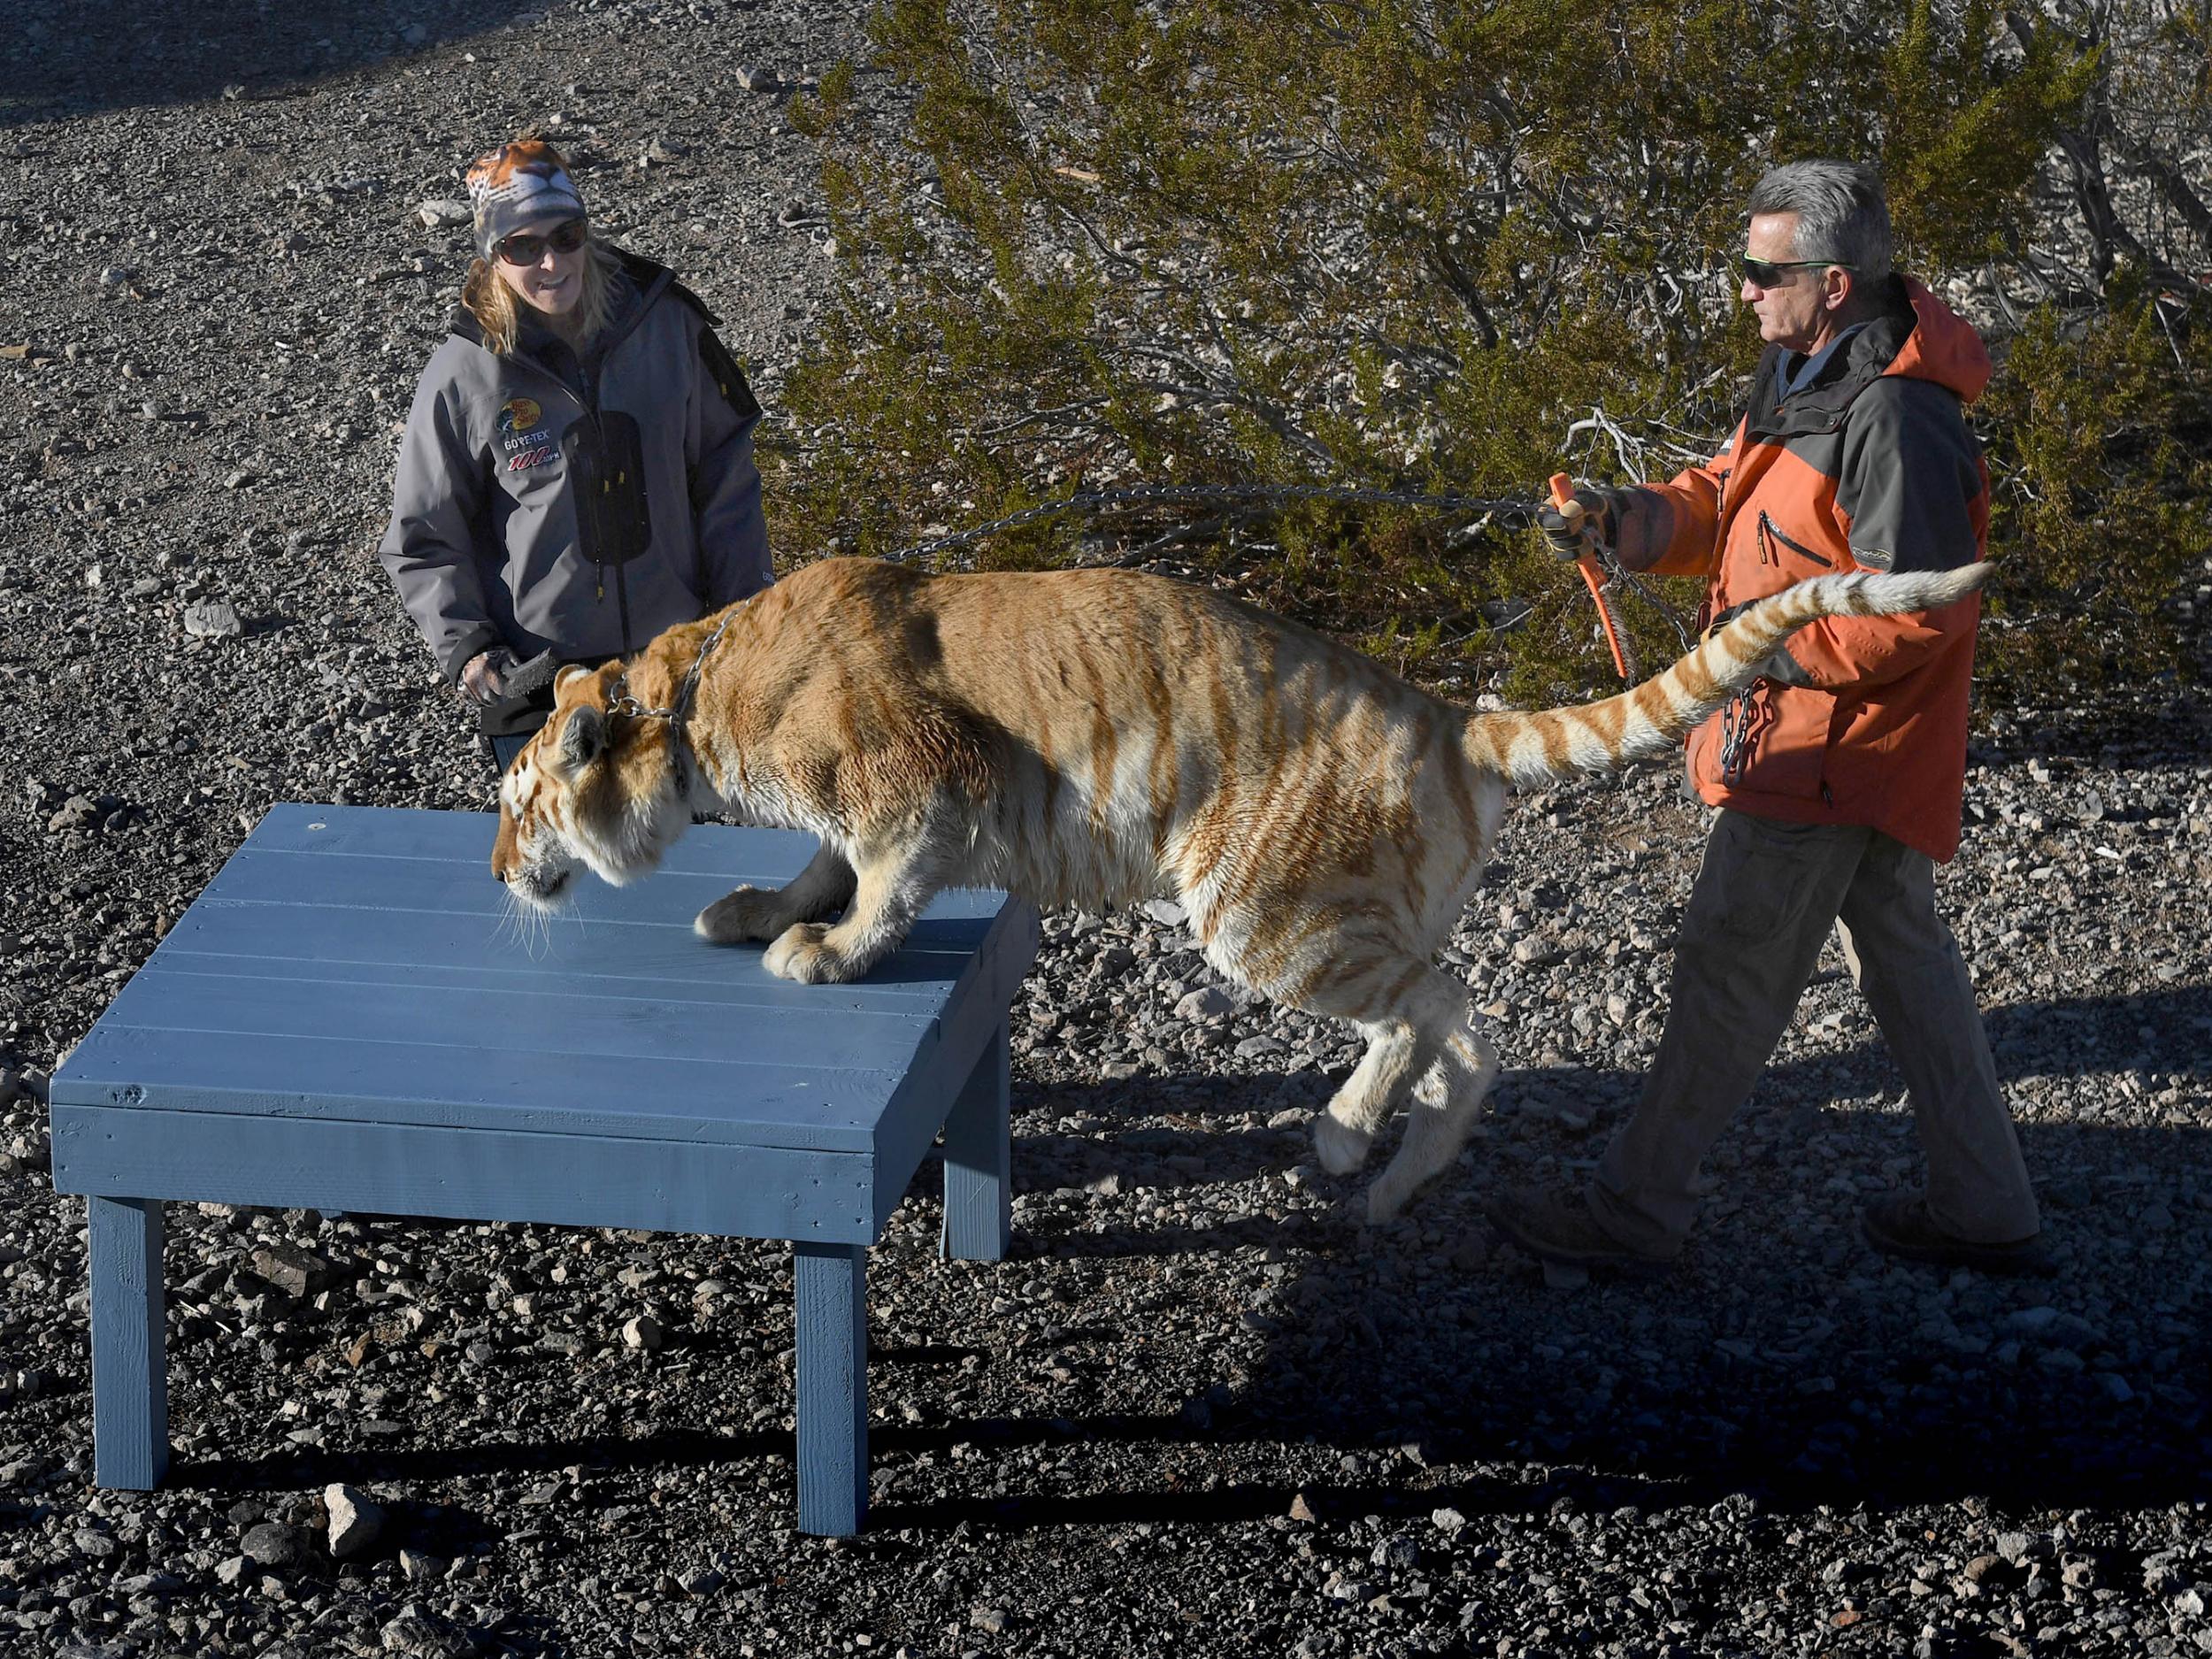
x,y
1839,774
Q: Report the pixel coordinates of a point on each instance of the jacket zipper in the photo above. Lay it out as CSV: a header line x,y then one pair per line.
x,y
1768,527
599,571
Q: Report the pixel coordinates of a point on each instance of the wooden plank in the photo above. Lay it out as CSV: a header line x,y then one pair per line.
x,y
761,998
911,1119
668,898
930,960
485,1028
832,1322
468,1174
978,1162
696,1102
467,838
130,1367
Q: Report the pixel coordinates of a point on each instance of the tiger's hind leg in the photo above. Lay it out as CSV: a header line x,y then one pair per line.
x,y
1421,1051
894,878
820,890
1443,1111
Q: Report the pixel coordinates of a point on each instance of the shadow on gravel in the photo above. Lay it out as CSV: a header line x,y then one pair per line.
x,y
1782,1358
297,1471
66,59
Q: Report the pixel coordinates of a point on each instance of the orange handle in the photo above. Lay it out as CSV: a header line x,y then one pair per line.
x,y
1593,577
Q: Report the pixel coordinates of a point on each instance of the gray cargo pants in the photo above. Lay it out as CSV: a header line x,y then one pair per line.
x,y
1764,902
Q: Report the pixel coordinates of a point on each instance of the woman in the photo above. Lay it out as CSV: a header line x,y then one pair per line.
x,y
576,472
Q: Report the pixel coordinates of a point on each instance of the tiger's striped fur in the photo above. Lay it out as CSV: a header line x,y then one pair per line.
x,y
1095,736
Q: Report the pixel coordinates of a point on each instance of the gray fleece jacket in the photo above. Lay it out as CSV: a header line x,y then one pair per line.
x,y
484,544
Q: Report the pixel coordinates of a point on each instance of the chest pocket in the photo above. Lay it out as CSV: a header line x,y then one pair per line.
x,y
1774,544
606,472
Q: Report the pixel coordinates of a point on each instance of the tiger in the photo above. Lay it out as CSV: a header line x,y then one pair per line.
x,y
1094,737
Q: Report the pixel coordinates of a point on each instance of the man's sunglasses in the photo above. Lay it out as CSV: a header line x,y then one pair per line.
x,y
1767,272
522,249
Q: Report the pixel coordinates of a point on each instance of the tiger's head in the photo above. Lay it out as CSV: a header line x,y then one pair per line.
x,y
592,789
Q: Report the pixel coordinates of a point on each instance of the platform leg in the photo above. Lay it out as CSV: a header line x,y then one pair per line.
x,y
831,1282
979,1163
130,1368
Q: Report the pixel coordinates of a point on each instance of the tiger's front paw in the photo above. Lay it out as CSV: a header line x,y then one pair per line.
x,y
748,913
799,953
1340,1148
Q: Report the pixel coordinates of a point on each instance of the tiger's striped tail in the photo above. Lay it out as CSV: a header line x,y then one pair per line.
x,y
1531,750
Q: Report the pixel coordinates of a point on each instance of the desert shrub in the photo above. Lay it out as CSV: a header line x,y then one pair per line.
x,y
2101,456
1404,244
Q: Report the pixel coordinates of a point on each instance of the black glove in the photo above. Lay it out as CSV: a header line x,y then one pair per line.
x,y
525,679
484,676
1562,527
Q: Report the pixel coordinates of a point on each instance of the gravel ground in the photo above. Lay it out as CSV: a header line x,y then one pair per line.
x,y
1201,1410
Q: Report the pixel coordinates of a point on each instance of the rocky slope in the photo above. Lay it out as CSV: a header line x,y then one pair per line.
x,y
1201,1410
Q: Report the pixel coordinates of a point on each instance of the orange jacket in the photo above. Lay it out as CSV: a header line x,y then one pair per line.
x,y
1869,466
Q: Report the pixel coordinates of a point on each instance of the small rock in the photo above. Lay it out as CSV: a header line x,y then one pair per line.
x,y
443,210
990,1620
1167,912
1448,1522
1471,1252
750,79
356,1523
412,1633
2116,1388
230,1570
420,1568
1209,1002
212,620
294,1270
77,811
1300,1509
644,1332
273,1544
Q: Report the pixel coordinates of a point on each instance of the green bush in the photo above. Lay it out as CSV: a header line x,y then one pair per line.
x,y
1423,246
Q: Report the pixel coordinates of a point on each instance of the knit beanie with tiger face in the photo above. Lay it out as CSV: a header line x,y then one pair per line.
x,y
519,184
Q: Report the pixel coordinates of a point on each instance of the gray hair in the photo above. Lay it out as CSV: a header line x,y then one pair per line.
x,y
1841,213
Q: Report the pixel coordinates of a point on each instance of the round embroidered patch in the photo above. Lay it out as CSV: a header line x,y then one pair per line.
x,y
518,414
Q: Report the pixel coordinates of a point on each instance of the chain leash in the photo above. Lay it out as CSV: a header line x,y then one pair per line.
x,y
1482,505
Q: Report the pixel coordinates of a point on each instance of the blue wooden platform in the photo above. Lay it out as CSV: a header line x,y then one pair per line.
x,y
350,1018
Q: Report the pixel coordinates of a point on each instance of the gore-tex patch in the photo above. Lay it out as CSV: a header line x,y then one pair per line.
x,y
523,437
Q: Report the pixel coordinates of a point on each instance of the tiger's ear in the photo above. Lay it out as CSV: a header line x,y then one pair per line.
x,y
582,737
560,676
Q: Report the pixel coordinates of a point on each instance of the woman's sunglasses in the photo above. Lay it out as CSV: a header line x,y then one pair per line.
x,y
522,249
1767,273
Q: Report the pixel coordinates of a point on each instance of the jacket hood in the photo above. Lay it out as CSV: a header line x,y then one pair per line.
x,y
1943,347
1915,336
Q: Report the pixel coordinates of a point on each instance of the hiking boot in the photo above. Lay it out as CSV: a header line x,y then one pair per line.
x,y
1900,1225
1559,1229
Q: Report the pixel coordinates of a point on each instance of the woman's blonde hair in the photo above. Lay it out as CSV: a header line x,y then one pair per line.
x,y
493,303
